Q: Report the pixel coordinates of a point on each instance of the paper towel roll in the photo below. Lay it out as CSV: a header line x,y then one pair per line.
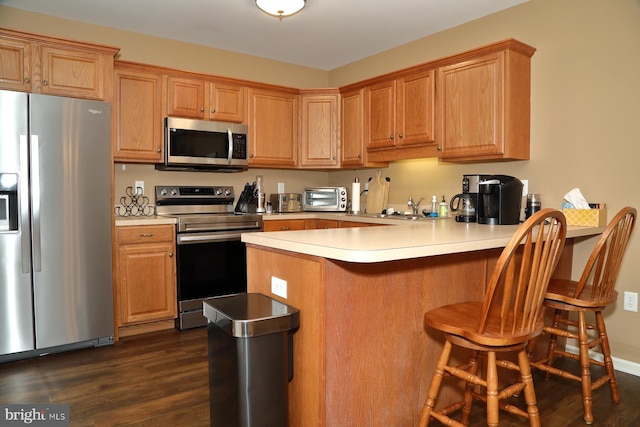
x,y
355,197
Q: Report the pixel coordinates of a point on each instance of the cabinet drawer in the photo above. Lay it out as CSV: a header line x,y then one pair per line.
x,y
145,234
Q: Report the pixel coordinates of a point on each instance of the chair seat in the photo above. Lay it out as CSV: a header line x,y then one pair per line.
x,y
461,319
562,291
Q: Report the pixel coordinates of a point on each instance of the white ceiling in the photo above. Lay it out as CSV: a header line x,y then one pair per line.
x,y
326,34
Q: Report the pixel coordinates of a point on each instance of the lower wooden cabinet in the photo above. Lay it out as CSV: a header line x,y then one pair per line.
x,y
146,268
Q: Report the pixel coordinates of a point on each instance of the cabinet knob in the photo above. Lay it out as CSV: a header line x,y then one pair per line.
x,y
439,148
158,150
27,80
390,136
202,110
45,83
170,254
251,156
400,136
359,156
213,111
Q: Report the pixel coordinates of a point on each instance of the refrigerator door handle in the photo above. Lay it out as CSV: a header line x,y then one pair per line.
x,y
24,205
35,202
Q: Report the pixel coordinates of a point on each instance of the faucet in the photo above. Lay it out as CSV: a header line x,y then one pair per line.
x,y
414,205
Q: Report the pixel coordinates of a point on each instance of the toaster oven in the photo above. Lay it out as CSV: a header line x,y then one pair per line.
x,y
328,199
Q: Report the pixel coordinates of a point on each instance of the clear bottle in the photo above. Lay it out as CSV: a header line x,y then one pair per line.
x,y
434,206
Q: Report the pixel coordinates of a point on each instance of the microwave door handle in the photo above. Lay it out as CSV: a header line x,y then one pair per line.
x,y
230,141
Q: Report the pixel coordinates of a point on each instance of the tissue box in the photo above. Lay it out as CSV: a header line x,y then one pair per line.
x,y
586,217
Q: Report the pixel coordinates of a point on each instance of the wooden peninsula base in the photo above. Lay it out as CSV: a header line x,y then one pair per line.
x,y
362,356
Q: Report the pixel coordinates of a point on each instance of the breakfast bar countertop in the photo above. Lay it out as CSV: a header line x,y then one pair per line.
x,y
402,239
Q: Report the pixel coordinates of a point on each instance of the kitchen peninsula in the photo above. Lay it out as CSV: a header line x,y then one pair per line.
x,y
362,355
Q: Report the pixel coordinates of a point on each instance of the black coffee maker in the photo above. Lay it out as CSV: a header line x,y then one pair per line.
x,y
464,205
499,200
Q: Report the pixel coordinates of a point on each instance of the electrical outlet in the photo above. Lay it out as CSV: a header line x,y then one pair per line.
x,y
525,186
279,287
139,187
631,301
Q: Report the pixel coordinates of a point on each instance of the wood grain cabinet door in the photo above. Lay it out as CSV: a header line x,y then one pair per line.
x,y
319,141
226,102
273,128
138,133
148,291
186,98
15,65
415,109
68,72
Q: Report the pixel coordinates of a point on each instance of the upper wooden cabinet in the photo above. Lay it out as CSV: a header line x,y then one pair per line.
x,y
320,129
484,104
273,128
400,112
138,126
206,100
52,66
352,125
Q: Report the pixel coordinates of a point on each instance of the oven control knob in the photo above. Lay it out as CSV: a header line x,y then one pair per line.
x,y
174,192
218,191
163,192
227,192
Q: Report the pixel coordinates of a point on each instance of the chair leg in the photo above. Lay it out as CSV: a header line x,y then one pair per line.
x,y
434,387
553,342
493,402
606,353
468,391
585,373
529,390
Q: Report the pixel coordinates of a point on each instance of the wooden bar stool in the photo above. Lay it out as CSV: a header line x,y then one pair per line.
x,y
591,294
507,318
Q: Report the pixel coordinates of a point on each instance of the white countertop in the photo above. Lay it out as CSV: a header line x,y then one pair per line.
x,y
402,239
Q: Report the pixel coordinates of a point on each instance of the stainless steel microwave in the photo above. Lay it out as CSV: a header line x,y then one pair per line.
x,y
202,145
328,199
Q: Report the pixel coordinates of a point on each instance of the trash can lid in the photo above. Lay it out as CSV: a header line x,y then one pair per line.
x,y
250,314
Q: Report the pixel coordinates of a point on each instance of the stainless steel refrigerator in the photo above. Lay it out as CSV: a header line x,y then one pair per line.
x,y
55,224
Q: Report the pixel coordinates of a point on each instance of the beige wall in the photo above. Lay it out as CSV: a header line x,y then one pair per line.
x,y
585,110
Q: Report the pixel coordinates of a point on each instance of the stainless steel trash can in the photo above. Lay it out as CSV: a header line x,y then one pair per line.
x,y
250,340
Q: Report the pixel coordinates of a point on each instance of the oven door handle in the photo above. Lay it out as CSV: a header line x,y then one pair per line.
x,y
194,238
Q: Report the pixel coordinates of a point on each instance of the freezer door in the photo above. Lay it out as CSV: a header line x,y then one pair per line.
x,y
71,199
16,314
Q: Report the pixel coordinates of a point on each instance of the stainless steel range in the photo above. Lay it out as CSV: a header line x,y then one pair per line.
x,y
210,258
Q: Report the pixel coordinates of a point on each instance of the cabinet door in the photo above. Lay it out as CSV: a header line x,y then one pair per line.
x,y
15,65
185,97
273,128
147,288
352,124
319,130
471,107
138,124
381,116
75,73
415,109
226,102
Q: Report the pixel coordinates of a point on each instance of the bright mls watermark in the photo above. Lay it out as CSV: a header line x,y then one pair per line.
x,y
34,415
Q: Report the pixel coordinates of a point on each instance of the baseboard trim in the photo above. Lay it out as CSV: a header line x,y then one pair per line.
x,y
621,365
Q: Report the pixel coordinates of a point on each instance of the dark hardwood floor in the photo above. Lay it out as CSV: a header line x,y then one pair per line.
x,y
161,379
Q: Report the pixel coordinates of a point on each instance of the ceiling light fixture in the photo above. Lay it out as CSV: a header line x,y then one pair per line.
x,y
280,8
